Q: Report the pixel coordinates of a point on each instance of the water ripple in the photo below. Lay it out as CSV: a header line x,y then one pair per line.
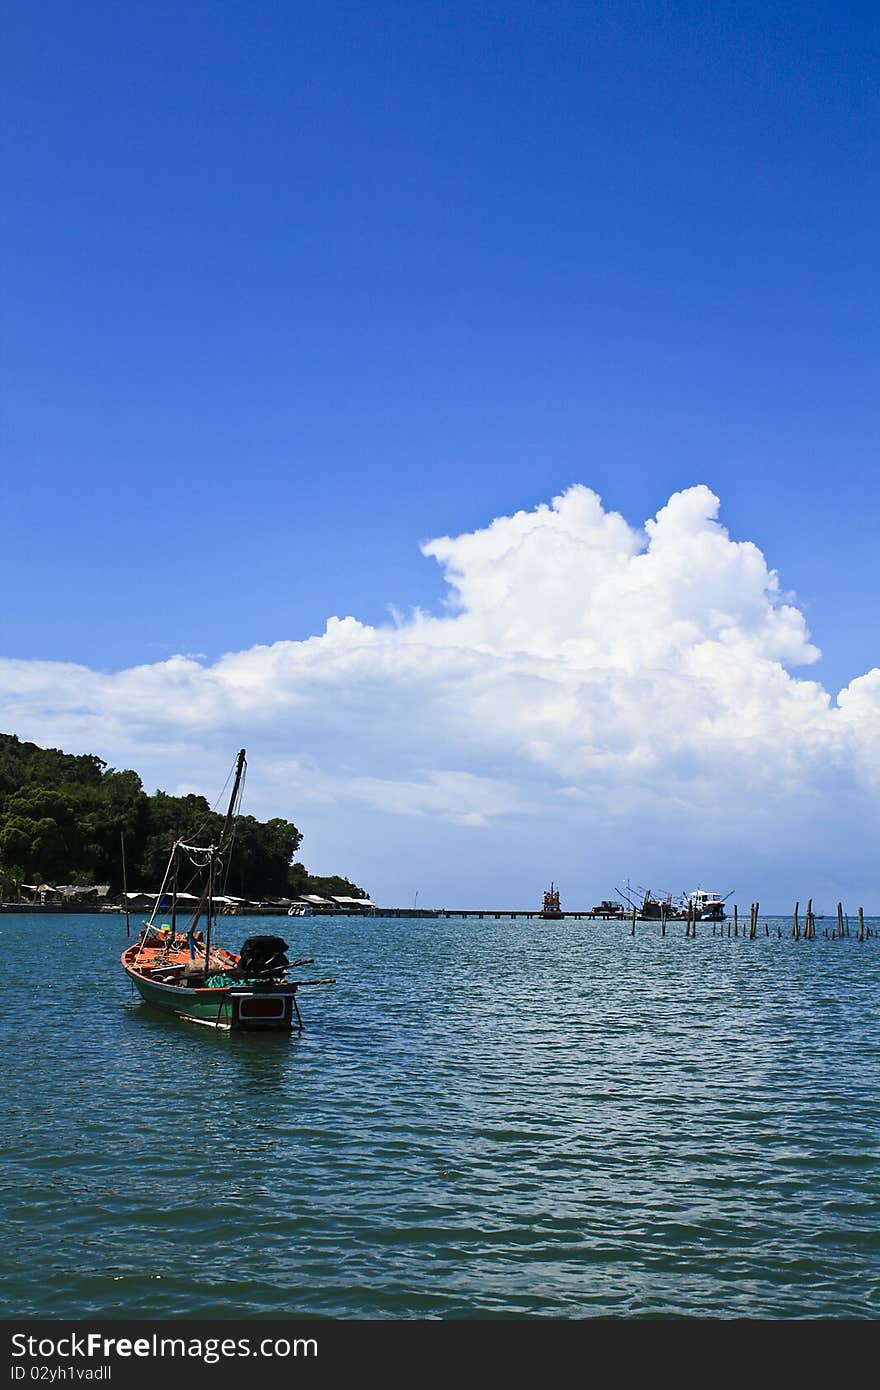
x,y
482,1119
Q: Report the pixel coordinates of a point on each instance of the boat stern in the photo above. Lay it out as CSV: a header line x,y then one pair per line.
x,y
259,1010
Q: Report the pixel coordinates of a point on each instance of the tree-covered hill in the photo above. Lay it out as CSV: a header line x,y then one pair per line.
x,y
61,816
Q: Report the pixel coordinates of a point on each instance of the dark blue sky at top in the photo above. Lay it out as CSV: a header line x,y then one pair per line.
x,y
292,287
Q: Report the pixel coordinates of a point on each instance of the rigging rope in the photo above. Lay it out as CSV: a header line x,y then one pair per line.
x,y
213,811
199,856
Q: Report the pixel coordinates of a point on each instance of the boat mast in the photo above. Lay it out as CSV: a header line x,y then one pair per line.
x,y
207,896
240,765
210,908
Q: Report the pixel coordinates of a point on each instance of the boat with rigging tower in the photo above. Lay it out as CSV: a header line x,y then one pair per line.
x,y
551,908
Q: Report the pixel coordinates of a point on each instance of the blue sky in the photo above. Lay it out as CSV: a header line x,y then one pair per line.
x,y
293,288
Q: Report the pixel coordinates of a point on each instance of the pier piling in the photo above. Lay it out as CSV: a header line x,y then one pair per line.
x,y
803,925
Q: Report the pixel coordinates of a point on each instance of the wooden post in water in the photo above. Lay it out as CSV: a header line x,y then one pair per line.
x,y
840,919
632,930
810,927
663,920
795,925
861,925
735,920
125,886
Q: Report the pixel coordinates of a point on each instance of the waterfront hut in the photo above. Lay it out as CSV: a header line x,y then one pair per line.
x,y
319,904
356,905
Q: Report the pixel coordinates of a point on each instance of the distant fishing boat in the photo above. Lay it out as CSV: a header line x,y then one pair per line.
x,y
551,906
706,907
183,973
653,907
649,906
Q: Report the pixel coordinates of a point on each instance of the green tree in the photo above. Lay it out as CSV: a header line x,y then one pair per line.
x,y
62,814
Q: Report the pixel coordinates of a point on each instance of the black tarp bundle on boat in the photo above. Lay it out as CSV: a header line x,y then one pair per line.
x,y
260,955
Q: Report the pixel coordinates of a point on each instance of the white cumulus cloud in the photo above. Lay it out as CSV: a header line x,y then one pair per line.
x,y
588,690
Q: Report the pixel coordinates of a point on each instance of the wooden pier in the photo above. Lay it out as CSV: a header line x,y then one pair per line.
x,y
499,913
731,925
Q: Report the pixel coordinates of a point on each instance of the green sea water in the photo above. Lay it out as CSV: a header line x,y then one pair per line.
x,y
482,1118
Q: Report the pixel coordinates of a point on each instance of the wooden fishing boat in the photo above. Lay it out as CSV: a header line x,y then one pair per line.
x,y
185,974
649,907
705,906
